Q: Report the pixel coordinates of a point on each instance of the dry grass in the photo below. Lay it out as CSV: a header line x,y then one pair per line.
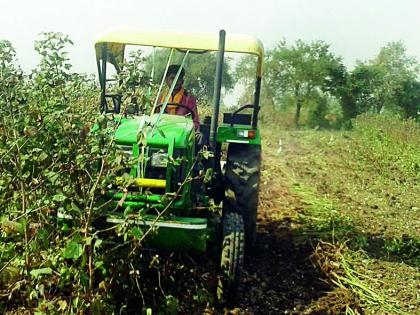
x,y
336,193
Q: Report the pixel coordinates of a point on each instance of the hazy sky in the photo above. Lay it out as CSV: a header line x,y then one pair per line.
x,y
355,29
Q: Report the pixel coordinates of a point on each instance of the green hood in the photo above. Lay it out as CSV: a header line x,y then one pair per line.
x,y
170,128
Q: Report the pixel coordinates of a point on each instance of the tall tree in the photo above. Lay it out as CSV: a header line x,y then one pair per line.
x,y
409,98
381,83
395,68
357,93
244,74
303,71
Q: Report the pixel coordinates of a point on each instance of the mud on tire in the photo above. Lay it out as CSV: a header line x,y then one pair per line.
x,y
232,257
241,186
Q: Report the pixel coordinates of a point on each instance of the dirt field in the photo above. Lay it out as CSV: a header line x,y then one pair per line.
x,y
310,193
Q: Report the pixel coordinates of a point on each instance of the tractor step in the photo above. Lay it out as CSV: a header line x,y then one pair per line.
x,y
174,233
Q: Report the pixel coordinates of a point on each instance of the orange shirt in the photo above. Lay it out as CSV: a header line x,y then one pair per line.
x,y
184,98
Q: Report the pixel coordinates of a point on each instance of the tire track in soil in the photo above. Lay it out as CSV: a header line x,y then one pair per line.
x,y
279,277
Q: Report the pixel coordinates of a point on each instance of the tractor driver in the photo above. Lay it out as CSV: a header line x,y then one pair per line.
x,y
180,96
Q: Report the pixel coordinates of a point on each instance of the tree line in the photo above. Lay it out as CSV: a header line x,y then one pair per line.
x,y
309,76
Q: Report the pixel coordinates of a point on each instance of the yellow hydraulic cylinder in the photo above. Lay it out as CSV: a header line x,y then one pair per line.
x,y
146,182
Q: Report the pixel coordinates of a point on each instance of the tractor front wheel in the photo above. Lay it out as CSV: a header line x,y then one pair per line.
x,y
232,257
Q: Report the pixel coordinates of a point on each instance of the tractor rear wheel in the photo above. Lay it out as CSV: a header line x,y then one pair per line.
x,y
242,178
232,257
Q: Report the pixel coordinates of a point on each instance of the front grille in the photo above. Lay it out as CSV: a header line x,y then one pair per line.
x,y
155,172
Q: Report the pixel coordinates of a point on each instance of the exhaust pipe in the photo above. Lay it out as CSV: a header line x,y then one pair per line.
x,y
217,88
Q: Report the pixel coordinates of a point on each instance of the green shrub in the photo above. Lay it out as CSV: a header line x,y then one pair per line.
x,y
51,161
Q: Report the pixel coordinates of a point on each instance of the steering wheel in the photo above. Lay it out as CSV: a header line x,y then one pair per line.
x,y
179,105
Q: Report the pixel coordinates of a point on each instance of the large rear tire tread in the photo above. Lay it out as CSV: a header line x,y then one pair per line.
x,y
241,186
232,258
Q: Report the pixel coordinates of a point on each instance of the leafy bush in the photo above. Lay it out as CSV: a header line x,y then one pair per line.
x,y
53,164
131,82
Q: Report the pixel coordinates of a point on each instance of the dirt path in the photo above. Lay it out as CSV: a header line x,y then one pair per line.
x,y
280,277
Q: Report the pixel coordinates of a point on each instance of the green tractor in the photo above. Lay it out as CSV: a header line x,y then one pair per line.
x,y
177,199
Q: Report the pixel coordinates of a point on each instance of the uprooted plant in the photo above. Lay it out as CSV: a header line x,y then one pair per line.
x,y
336,264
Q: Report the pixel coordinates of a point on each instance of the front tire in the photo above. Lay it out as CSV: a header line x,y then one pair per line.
x,y
232,257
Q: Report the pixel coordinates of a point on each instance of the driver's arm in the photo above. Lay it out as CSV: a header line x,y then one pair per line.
x,y
191,103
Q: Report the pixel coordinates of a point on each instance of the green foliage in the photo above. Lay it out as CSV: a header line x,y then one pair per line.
x,y
308,77
395,68
318,113
134,85
386,83
389,144
304,72
73,250
53,164
36,273
357,95
408,96
407,249
45,155
57,159
245,74
171,305
321,218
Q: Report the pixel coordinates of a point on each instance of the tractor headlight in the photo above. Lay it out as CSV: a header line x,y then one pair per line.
x,y
126,150
159,159
250,134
